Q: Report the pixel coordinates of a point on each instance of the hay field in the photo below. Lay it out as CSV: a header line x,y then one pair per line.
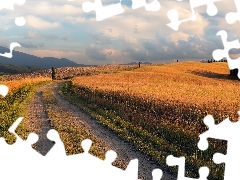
x,y
160,108
189,83
15,84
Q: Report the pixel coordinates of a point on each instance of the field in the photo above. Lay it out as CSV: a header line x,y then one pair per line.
x,y
14,104
189,83
158,108
161,108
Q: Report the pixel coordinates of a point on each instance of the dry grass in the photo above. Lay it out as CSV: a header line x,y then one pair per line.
x,y
188,82
168,81
15,84
160,109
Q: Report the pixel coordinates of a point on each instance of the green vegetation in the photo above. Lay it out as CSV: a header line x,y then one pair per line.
x,y
158,141
71,131
13,106
160,109
6,69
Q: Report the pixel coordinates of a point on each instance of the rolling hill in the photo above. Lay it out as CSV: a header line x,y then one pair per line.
x,y
23,59
15,69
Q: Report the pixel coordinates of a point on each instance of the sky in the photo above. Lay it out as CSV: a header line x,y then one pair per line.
x,y
61,29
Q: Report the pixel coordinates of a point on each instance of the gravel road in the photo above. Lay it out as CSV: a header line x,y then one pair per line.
x,y
39,123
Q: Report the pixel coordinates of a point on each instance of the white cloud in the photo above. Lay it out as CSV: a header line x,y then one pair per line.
x,y
39,23
75,20
133,35
35,35
50,9
96,53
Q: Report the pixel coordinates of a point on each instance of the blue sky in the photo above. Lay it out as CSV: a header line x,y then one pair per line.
x,y
60,28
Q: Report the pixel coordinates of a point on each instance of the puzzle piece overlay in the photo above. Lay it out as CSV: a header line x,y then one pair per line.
x,y
22,156
224,53
80,166
226,130
180,162
56,164
229,131
103,13
174,16
19,21
234,16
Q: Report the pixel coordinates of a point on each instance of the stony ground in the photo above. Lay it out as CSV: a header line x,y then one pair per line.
x,y
68,72
39,122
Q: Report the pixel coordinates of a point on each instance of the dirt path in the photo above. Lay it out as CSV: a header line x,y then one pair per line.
x,y
39,122
124,150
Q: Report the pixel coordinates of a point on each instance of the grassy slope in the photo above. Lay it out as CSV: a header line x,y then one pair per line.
x,y
14,69
158,143
14,106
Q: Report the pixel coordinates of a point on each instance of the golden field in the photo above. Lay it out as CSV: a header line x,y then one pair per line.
x,y
14,105
202,84
15,84
160,108
173,81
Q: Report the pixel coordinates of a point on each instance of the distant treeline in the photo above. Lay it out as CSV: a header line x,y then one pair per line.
x,y
14,69
211,61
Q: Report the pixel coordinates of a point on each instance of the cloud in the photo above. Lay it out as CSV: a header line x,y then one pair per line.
x,y
140,24
35,35
163,48
96,53
39,23
28,44
100,38
32,35
134,35
134,53
51,9
52,53
75,19
3,42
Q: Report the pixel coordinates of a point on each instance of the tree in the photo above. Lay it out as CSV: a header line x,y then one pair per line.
x,y
53,74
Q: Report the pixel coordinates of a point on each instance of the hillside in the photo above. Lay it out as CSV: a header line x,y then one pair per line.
x,y
70,72
6,69
157,108
160,108
23,59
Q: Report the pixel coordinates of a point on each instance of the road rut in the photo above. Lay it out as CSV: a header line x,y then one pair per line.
x,y
39,123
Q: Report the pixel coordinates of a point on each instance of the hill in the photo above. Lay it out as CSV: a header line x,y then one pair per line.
x,y
23,59
14,69
160,108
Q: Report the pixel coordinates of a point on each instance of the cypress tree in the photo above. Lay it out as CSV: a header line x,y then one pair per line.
x,y
53,74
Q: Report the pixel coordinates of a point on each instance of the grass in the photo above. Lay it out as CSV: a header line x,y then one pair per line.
x,y
14,105
161,108
73,132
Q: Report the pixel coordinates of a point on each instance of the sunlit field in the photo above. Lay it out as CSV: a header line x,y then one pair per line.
x,y
15,84
14,105
160,108
191,83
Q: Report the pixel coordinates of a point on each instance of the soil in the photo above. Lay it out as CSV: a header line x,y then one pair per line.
x,y
40,124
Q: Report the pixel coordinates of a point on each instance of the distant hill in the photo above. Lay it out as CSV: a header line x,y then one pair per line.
x,y
14,69
23,59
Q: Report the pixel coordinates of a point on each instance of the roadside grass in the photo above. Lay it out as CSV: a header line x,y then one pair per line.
x,y
160,109
14,105
73,132
116,69
158,144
